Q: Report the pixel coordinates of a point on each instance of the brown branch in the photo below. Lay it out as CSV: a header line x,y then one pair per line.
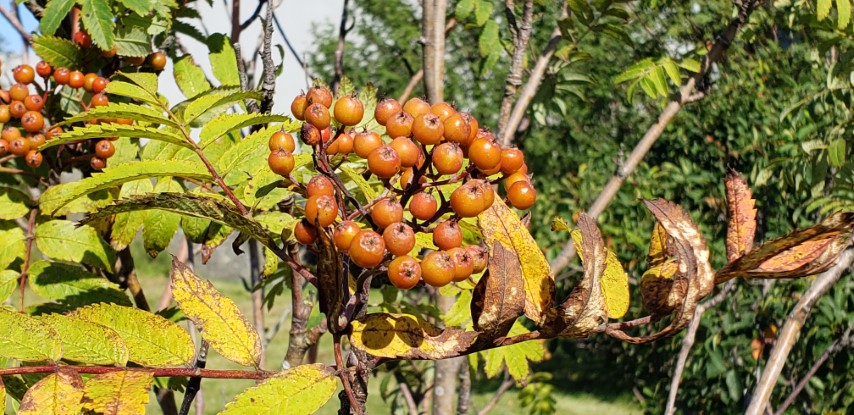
x,y
655,131
433,32
464,398
297,341
13,20
418,76
156,372
255,15
791,329
508,382
31,236
688,343
235,21
257,295
355,405
521,37
339,49
845,341
407,397
268,84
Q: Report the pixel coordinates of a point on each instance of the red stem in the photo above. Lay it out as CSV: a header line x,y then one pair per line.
x,y
157,372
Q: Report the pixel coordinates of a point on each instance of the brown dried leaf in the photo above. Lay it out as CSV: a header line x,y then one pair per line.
x,y
499,297
332,283
585,308
661,294
741,227
500,223
405,336
800,253
657,246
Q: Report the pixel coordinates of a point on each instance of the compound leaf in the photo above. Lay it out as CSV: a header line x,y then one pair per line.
x,y
298,391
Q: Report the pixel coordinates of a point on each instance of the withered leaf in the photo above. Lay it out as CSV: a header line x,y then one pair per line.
x,y
585,308
800,253
660,297
741,227
332,283
405,336
499,297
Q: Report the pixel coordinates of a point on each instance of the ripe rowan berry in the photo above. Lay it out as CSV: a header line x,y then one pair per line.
x,y
513,178
5,114
157,60
283,140
36,140
305,233
32,121
463,263
428,129
17,109
97,163
344,233
349,110
473,127
319,95
386,109
457,129
62,75
5,97
387,211
472,198
406,176
343,144
19,91
367,249
310,135
135,60
10,133
320,185
34,158
105,149
298,106
447,235
511,160
404,272
448,158
416,107
318,116
99,100
281,162
399,238
399,125
100,84
88,80
326,134
34,102
522,195
109,53
4,147
24,74
443,110
407,150
384,162
83,39
485,154
53,132
43,69
76,79
19,146
423,206
479,257
321,210
366,142
437,269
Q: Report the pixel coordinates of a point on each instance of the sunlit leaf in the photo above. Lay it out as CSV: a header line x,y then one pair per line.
x,y
741,227
86,342
298,391
62,239
27,339
58,393
405,336
118,393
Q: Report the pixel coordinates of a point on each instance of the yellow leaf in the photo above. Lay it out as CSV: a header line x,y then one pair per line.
x,y
499,223
118,393
406,336
614,281
152,340
217,317
298,391
58,393
86,342
657,246
27,339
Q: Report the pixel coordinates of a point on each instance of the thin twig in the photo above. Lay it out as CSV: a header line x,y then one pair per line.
x,y
407,396
13,20
688,342
255,15
521,36
655,131
791,329
339,49
268,84
505,386
235,21
355,406
156,372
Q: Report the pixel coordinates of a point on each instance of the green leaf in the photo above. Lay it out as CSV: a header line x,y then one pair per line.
x,y
672,71
66,282
298,391
648,87
145,80
8,283
127,224
117,130
190,77
482,12
131,90
57,51
223,60
59,196
160,226
489,39
152,341
13,203
276,222
27,339
97,18
54,12
463,9
581,9
843,11
225,123
140,7
252,147
12,245
690,65
121,110
659,79
836,152
367,190
617,32
216,99
823,9
635,71
86,342
215,209
132,38
515,358
62,239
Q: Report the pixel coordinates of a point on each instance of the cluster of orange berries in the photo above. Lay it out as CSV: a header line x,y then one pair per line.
x,y
427,146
